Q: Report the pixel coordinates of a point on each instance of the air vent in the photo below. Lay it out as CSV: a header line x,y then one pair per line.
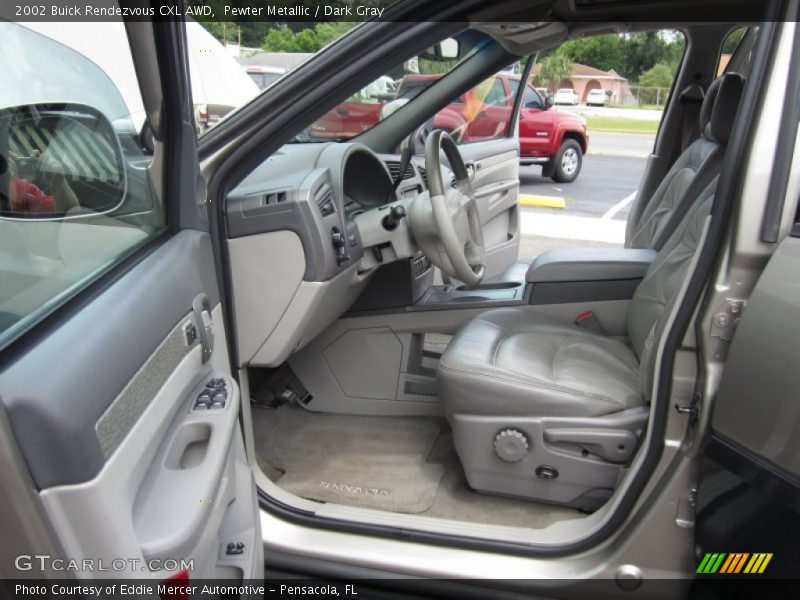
x,y
257,201
424,174
394,169
419,266
324,199
273,198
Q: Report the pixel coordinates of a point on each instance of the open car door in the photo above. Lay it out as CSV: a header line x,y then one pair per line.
x,y
489,145
118,412
756,411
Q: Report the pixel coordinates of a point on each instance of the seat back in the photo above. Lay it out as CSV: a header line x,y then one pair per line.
x,y
695,168
659,288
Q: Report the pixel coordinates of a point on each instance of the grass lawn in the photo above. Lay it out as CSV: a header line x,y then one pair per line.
x,y
620,125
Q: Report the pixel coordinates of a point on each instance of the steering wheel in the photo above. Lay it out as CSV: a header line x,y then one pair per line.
x,y
445,222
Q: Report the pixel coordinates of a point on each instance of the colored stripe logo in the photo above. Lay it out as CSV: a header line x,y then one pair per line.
x,y
734,563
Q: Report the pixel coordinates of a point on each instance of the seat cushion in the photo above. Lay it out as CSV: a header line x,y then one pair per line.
x,y
512,361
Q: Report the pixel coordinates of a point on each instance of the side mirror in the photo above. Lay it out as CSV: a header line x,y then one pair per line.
x,y
57,157
147,140
548,102
448,49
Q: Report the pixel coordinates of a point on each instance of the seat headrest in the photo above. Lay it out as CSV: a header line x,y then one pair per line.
x,y
720,106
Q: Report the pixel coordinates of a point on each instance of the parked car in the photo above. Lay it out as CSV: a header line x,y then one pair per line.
x,y
264,76
566,96
556,140
597,97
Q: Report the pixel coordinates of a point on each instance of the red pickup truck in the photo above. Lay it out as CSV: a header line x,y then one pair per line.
x,y
554,139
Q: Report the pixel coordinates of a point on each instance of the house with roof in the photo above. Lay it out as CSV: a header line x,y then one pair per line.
x,y
584,79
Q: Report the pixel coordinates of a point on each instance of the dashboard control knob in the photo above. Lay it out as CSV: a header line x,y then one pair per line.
x,y
338,240
511,445
396,213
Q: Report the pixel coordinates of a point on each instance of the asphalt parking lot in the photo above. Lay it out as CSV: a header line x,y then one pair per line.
x,y
604,183
596,204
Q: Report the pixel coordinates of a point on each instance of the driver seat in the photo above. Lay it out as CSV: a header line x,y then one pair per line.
x,y
547,410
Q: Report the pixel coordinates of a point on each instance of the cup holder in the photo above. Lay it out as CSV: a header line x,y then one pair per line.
x,y
500,285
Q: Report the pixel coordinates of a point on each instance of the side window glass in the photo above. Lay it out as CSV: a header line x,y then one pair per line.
x,y
497,94
483,113
75,189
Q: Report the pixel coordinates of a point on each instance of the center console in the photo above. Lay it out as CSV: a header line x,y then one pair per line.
x,y
560,276
439,297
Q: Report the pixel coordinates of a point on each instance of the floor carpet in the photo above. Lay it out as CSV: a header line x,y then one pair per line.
x,y
398,464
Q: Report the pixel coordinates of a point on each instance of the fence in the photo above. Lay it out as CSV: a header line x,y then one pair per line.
x,y
645,96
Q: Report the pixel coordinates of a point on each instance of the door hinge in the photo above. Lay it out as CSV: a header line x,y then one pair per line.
x,y
723,323
687,505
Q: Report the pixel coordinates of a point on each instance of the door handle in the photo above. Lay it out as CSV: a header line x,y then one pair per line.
x,y
201,308
472,167
343,111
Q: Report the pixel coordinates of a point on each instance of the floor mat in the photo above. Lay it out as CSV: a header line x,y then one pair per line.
x,y
385,463
379,463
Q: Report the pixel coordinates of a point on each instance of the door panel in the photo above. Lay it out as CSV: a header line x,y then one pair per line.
x,y
495,179
114,328
170,482
756,412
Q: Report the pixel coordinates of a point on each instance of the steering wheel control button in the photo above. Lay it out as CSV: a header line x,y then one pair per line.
x,y
511,445
545,472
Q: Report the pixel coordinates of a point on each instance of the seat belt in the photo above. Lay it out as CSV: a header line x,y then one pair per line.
x,y
692,99
588,320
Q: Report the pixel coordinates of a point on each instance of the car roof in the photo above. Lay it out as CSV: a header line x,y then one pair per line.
x,y
262,69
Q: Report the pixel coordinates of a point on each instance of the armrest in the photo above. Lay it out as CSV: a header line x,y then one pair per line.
x,y
589,264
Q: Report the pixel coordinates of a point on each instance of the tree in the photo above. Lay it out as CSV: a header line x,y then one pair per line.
x,y
554,69
659,75
308,39
602,51
643,50
732,40
280,39
222,30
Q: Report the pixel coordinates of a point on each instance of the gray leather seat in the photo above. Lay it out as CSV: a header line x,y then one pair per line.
x,y
689,175
524,391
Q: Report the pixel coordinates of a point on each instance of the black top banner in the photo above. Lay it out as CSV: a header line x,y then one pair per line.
x,y
297,11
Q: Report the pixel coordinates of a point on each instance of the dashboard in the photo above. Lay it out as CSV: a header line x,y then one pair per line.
x,y
320,210
317,190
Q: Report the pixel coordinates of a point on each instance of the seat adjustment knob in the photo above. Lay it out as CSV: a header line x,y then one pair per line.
x,y
511,445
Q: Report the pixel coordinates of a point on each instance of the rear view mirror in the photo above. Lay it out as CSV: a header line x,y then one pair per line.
x,y
448,49
55,158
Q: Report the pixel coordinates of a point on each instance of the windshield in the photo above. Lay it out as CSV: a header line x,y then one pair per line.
x,y
254,58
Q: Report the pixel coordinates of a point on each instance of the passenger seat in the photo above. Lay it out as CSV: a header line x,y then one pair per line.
x,y
698,165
